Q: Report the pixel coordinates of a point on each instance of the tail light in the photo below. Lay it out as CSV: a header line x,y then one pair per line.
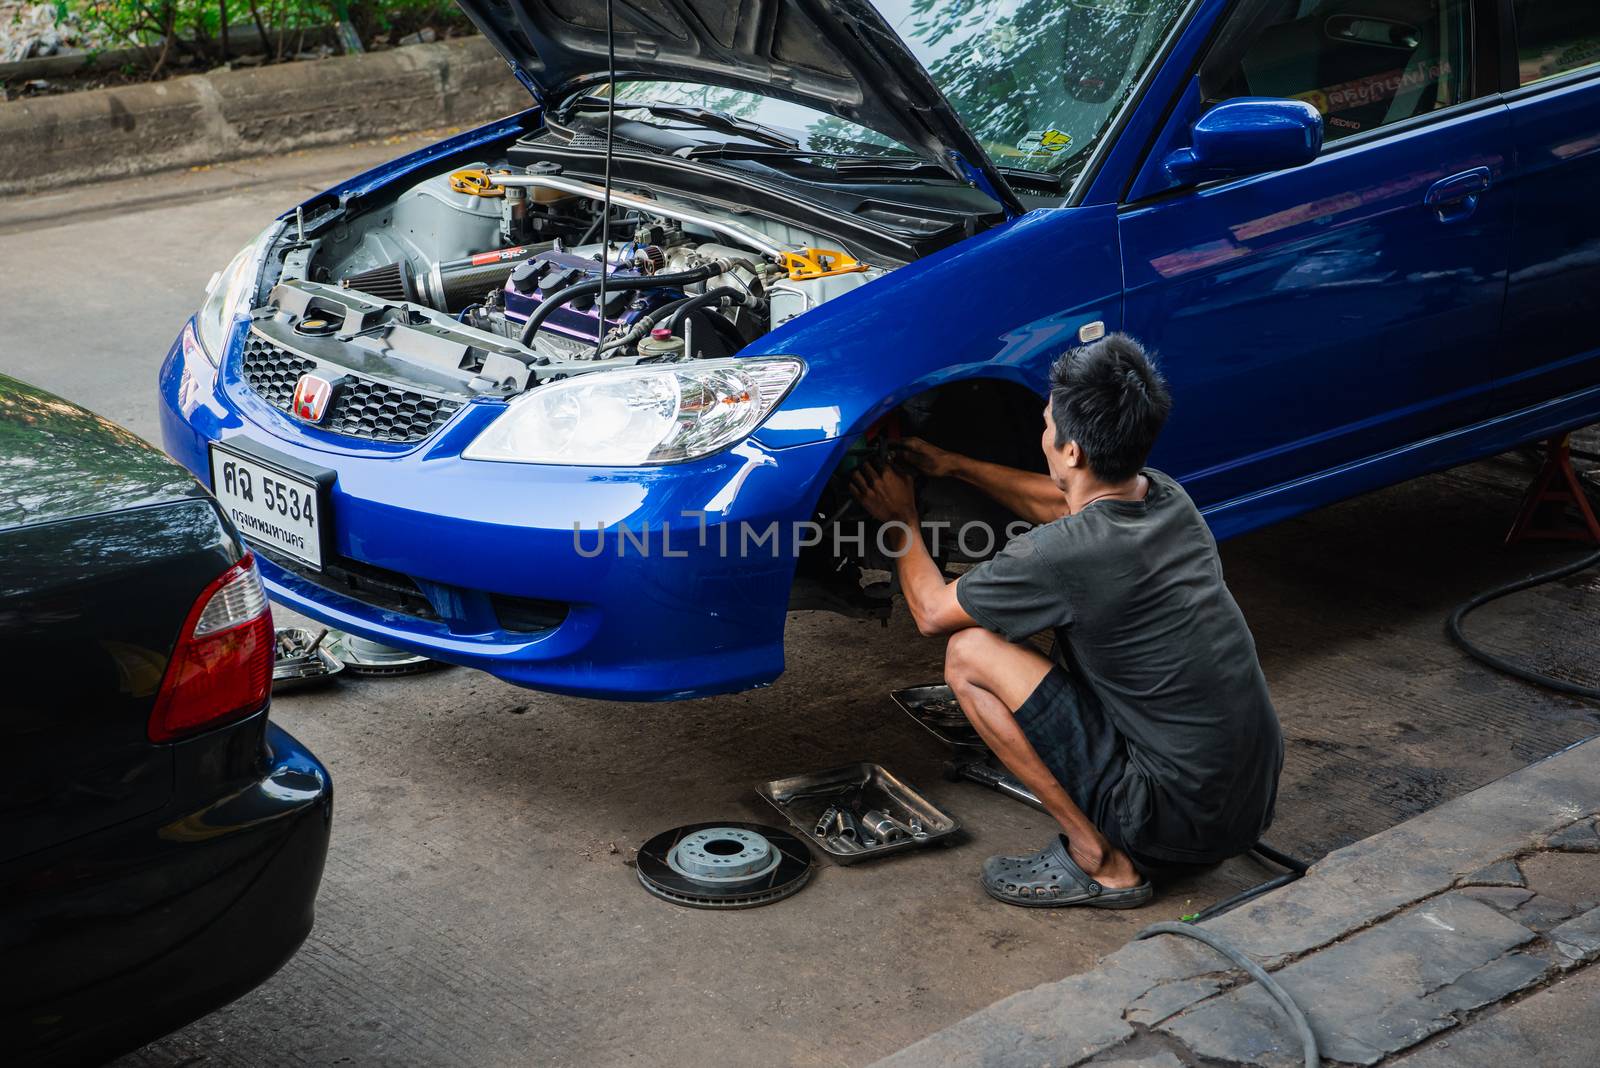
x,y
221,669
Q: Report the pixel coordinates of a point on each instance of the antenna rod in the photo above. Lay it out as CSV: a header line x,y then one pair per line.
x,y
605,216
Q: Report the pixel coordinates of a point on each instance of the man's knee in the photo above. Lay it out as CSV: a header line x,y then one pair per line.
x,y
964,657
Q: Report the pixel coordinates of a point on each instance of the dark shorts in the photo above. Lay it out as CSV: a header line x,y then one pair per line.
x,y
1067,726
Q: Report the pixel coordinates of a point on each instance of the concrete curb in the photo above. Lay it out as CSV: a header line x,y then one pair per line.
x,y
208,118
1352,893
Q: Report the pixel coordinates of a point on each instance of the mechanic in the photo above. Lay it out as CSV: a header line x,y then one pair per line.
x,y
1153,742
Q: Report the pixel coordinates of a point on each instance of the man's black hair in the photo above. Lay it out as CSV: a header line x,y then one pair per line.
x,y
1111,400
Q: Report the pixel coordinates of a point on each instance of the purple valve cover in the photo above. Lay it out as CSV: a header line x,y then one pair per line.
x,y
548,273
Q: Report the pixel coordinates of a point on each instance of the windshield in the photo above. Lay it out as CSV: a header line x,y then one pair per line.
x,y
1036,81
816,131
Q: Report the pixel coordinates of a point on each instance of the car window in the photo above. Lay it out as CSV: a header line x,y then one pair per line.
x,y
1363,63
1555,36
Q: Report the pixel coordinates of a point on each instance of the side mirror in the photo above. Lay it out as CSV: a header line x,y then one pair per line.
x,y
1250,135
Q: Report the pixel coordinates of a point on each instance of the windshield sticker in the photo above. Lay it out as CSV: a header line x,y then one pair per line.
x,y
1043,142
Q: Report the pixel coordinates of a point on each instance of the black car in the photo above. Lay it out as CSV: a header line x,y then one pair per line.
x,y
161,842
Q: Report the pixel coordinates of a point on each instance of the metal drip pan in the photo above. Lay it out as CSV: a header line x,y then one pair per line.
x,y
863,793
302,663
936,711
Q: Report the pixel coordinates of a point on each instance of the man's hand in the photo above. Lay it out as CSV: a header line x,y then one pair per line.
x,y
886,494
888,497
1027,494
929,459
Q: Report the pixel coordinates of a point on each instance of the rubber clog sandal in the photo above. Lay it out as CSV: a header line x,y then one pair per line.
x,y
1050,879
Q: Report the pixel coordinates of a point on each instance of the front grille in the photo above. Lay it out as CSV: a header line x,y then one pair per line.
x,y
395,592
362,407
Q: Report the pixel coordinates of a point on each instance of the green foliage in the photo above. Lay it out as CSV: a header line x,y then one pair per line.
x,y
168,28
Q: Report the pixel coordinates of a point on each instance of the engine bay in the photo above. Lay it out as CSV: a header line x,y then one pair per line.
x,y
487,279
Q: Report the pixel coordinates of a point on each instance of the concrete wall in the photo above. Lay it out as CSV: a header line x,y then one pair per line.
x,y
206,118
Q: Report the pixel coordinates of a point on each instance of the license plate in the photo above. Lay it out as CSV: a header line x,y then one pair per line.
x,y
272,507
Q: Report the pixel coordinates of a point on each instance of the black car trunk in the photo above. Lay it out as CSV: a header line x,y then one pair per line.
x,y
104,547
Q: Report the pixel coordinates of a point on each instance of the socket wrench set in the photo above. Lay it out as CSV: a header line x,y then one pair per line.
x,y
858,811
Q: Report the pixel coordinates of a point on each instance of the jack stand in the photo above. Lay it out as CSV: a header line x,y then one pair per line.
x,y
1556,484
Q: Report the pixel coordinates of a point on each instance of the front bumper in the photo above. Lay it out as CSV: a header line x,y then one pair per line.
x,y
663,613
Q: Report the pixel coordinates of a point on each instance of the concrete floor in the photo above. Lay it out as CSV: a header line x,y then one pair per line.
x,y
479,907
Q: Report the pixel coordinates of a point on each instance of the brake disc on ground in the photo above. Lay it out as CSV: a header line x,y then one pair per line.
x,y
724,865
365,657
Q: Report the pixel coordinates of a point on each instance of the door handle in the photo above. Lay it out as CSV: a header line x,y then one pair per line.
x,y
1456,197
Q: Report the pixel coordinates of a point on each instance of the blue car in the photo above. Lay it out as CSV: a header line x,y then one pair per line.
x,y
571,397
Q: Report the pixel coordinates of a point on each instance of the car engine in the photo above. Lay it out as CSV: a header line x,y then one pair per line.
x,y
487,279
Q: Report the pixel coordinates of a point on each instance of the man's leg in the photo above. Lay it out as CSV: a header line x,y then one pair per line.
x,y
991,678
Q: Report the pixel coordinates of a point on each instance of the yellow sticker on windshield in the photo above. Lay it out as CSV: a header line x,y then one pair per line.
x,y
1036,141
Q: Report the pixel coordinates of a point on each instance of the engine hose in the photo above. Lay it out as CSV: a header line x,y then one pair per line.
x,y
642,325
713,296
593,285
1498,663
1302,1026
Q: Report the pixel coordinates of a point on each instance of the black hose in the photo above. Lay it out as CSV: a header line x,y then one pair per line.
x,y
593,285
712,296
1483,656
1228,904
1302,1026
1282,860
1296,868
642,325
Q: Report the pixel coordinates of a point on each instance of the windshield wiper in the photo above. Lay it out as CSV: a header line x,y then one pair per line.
x,y
888,163
864,166
716,120
695,116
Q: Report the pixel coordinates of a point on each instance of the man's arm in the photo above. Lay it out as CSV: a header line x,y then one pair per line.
x,y
1026,494
888,497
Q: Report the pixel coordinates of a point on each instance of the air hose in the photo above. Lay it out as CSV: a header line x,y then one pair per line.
x,y
1302,1026
1501,664
1296,868
593,285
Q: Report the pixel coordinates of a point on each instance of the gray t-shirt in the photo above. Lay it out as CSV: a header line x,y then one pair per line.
x,y
1135,594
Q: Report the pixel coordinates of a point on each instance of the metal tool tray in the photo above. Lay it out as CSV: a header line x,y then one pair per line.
x,y
303,672
803,798
929,706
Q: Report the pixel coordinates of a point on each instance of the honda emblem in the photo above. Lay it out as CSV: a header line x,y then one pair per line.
x,y
311,396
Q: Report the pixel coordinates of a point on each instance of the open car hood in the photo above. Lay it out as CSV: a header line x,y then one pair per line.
x,y
837,56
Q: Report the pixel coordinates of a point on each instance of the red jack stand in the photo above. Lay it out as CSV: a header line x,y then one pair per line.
x,y
1556,484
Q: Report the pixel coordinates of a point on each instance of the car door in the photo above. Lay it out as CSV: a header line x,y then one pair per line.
x,y
1313,316
1552,335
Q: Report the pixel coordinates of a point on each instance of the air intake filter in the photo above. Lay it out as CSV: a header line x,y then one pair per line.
x,y
452,285
392,281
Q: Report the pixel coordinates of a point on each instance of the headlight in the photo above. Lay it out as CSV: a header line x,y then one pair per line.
x,y
229,293
641,415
